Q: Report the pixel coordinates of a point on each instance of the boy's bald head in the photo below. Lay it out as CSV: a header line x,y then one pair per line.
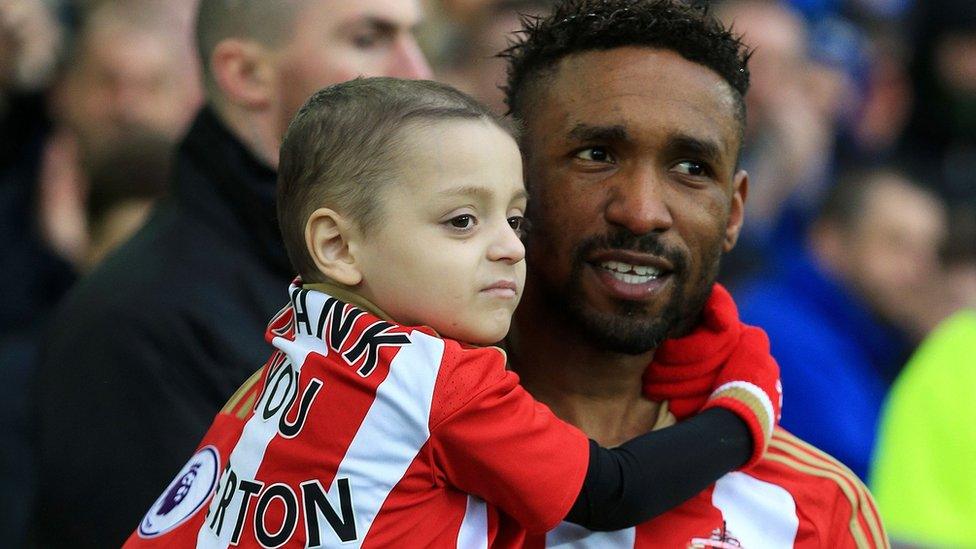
x,y
343,147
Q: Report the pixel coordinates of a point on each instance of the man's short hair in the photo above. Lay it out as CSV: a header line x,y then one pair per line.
x,y
577,26
267,22
342,148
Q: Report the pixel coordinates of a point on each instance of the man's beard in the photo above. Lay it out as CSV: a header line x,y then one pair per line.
x,y
631,329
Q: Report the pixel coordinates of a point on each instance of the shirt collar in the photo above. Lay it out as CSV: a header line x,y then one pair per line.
x,y
343,293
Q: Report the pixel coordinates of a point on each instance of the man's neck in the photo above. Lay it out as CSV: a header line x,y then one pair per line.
x,y
595,390
256,130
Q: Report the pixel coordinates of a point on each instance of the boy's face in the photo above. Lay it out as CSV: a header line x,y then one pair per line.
x,y
446,252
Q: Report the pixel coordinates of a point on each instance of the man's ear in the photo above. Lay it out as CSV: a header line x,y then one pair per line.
x,y
243,71
327,236
737,209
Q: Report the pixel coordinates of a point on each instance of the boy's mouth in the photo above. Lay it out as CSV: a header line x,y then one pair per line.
x,y
501,288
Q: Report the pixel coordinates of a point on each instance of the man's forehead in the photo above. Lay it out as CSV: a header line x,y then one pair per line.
x,y
636,89
397,13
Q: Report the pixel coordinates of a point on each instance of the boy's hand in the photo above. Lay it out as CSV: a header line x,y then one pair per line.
x,y
748,384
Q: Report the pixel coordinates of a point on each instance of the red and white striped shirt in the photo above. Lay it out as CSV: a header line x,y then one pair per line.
x,y
362,432
795,496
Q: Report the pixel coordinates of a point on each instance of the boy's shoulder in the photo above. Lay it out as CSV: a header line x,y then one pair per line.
x,y
338,339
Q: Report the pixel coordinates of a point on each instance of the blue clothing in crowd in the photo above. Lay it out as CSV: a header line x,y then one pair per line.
x,y
836,359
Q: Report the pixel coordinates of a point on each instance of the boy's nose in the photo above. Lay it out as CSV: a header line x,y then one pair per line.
x,y
506,245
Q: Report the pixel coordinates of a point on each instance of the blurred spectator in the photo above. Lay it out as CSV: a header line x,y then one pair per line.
x,y
475,68
128,68
32,278
124,183
873,9
146,349
941,135
126,180
792,107
30,37
128,71
841,317
464,11
872,134
923,477
43,233
960,258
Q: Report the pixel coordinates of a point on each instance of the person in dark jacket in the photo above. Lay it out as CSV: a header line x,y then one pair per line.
x,y
842,313
146,349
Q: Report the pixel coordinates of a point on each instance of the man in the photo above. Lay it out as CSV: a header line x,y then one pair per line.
x,y
473,67
105,97
145,351
842,314
33,276
30,39
632,113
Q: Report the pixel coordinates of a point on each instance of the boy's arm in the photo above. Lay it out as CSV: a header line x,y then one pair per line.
x,y
502,445
731,432
655,472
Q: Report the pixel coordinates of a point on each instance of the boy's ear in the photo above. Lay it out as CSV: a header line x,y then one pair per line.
x,y
327,235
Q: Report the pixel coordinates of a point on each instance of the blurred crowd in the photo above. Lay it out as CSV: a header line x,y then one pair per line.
x,y
859,244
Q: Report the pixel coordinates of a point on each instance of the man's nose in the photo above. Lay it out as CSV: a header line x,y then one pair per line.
x,y
638,202
506,245
410,62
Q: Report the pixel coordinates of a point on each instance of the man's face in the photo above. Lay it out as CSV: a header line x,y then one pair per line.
x,y
114,89
892,252
630,162
337,40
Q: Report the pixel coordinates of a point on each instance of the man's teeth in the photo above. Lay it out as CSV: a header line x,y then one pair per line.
x,y
631,274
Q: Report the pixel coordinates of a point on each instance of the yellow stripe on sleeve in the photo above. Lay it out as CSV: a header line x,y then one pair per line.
x,y
822,465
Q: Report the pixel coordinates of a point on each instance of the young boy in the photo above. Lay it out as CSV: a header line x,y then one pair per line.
x,y
376,422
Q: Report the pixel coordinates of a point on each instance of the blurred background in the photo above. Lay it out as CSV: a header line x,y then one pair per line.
x,y
858,255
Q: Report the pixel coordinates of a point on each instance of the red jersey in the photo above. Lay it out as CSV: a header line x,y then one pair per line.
x,y
362,432
795,496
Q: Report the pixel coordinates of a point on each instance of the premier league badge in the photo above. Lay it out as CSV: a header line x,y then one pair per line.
x,y
184,496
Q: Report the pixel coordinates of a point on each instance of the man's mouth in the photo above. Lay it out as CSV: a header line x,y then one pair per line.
x,y
631,274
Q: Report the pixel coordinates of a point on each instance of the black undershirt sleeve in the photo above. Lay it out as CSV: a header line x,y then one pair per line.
x,y
655,472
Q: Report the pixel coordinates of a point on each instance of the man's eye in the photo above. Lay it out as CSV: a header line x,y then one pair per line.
x,y
364,41
519,224
690,167
595,154
462,222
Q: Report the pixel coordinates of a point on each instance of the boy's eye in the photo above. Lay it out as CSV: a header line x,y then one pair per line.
x,y
519,224
463,222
